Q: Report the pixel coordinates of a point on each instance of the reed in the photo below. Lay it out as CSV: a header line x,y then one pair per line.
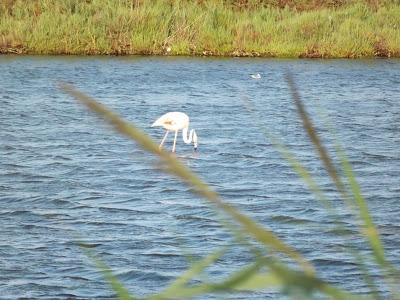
x,y
274,263
268,28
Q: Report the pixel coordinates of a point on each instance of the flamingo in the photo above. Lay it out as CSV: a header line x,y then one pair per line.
x,y
175,121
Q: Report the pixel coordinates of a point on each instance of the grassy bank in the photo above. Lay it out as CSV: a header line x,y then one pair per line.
x,y
277,28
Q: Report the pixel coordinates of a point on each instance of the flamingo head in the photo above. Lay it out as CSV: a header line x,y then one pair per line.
x,y
195,141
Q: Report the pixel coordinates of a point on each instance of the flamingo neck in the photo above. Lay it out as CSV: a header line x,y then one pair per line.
x,y
192,137
187,139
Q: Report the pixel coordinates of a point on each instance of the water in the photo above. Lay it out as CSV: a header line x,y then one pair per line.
x,y
65,175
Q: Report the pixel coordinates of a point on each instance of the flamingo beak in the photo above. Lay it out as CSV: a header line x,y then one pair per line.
x,y
195,141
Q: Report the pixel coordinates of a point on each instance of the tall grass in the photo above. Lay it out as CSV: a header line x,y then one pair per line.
x,y
274,264
273,28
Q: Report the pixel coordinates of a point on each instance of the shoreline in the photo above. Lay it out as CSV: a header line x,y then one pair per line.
x,y
111,55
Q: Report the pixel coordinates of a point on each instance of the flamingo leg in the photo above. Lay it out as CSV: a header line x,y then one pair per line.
x,y
174,146
163,140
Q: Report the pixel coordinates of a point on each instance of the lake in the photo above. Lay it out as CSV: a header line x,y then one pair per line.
x,y
66,176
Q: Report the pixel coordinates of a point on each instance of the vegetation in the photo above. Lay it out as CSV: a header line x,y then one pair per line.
x,y
274,263
270,28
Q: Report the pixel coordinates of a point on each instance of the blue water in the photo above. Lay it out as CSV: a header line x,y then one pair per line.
x,y
66,176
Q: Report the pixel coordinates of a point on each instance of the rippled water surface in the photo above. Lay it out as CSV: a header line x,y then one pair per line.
x,y
65,175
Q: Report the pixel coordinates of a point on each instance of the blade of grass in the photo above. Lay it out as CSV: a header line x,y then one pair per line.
x,y
196,268
310,282
259,233
250,278
120,291
313,186
369,227
259,281
312,134
389,270
369,230
295,164
226,285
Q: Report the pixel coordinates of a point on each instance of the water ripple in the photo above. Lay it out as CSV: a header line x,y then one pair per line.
x,y
64,174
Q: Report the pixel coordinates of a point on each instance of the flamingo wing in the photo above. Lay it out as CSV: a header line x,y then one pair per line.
x,y
172,121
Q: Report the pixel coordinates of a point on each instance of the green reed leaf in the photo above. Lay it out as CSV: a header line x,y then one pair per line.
x,y
298,281
312,134
120,291
259,281
251,278
195,269
295,164
313,186
228,284
369,230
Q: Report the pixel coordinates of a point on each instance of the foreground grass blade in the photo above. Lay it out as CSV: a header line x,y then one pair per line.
x,y
312,134
120,291
295,279
295,164
229,284
369,229
313,186
251,278
258,232
195,269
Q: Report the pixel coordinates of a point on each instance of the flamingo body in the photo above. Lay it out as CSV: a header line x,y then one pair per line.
x,y
175,121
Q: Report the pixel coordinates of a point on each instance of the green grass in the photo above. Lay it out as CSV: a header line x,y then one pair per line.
x,y
271,28
274,264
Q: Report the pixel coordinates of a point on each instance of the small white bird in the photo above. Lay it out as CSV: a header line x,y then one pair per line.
x,y
175,121
255,76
